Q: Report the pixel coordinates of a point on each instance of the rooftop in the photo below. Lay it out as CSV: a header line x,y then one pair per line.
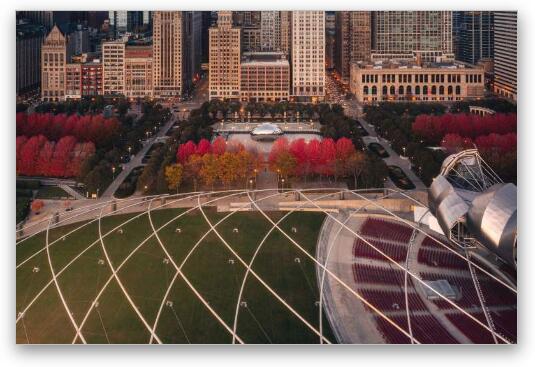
x,y
412,64
265,58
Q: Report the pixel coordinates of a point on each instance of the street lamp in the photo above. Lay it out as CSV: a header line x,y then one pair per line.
x,y
404,151
113,171
98,188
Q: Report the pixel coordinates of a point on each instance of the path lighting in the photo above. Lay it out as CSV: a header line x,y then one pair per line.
x,y
404,151
113,171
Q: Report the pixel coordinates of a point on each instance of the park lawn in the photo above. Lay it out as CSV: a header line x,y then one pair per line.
x,y
212,269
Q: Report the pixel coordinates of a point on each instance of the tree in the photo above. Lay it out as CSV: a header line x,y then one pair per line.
x,y
219,146
185,150
173,175
192,169
228,168
210,169
37,205
284,164
355,165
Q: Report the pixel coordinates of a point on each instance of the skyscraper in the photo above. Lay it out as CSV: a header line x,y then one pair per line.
x,y
353,40
225,52
30,38
167,38
113,56
505,53
270,27
308,55
53,60
286,32
475,36
400,34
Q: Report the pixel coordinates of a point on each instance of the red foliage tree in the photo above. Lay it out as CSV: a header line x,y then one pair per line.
x,y
203,147
219,145
185,150
327,157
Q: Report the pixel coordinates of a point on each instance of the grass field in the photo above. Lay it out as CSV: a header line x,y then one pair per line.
x,y
51,192
212,269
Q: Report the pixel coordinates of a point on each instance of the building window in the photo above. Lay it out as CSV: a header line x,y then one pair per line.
x,y
450,90
392,90
434,89
374,90
385,89
441,90
458,90
417,89
401,90
365,90
425,90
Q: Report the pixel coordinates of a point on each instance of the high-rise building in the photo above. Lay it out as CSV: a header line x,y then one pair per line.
x,y
505,53
474,36
401,34
30,37
44,18
224,72
361,35
342,56
192,47
308,55
286,32
77,41
113,53
250,39
167,38
138,72
206,19
265,76
53,60
270,27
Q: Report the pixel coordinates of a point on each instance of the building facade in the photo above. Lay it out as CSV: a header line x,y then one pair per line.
x,y
30,37
474,36
398,33
113,53
168,54
270,27
250,39
73,81
505,54
53,61
265,76
92,79
395,81
286,32
224,72
138,72
308,55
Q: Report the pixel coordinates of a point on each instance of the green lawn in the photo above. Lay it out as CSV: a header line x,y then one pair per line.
x,y
213,270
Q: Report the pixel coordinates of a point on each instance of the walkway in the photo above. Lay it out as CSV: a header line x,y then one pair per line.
x,y
136,161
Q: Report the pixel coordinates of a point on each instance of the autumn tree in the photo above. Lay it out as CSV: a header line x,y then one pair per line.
x,y
210,169
173,176
355,165
192,169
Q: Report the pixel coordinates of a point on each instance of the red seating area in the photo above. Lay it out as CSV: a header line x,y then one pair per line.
x,y
495,294
464,285
364,273
473,331
425,328
390,333
362,249
383,229
441,259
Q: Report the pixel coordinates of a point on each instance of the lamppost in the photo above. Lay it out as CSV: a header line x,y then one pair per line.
x,y
113,171
404,151
145,189
98,189
282,186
